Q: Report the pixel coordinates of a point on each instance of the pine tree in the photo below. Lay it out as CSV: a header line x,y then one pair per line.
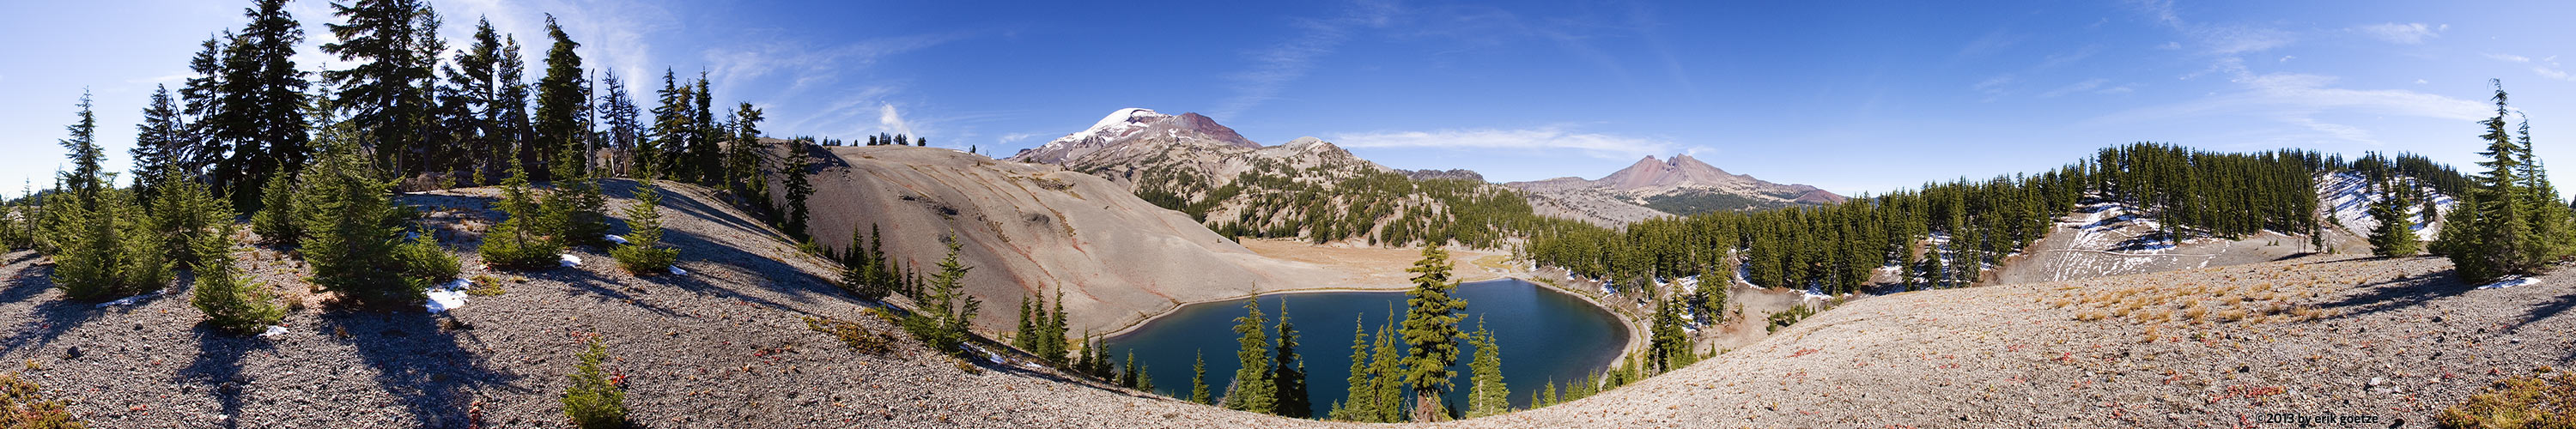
x,y
158,145
1671,345
1022,337
1198,379
705,157
594,400
742,156
254,118
1386,374
475,87
229,301
182,213
670,135
1055,329
1488,394
625,131
642,254
1289,376
389,88
356,248
2502,243
950,310
799,188
1128,379
509,112
1356,404
1252,389
559,102
1431,332
1547,395
575,210
517,242
277,221
2395,235
102,244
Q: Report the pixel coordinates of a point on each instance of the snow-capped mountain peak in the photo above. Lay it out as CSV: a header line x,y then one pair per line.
x,y
1132,125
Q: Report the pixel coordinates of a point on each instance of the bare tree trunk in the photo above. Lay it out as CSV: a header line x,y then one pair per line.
x,y
1427,407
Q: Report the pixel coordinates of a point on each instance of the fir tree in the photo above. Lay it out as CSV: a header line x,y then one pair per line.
x,y
1488,394
1547,395
1289,375
799,188
742,156
356,248
1431,332
475,86
625,131
2395,235
949,310
1198,379
642,254
509,111
229,301
575,210
389,88
1386,374
516,242
253,118
1671,347
559,102
159,143
277,221
1252,389
181,214
670,134
594,400
1356,405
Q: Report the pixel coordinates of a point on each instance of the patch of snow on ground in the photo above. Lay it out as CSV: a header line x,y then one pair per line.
x,y
127,300
571,261
2349,195
448,296
613,238
2506,283
273,330
675,270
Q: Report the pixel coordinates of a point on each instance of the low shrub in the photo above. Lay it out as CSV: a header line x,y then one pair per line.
x,y
859,338
2544,400
23,406
594,400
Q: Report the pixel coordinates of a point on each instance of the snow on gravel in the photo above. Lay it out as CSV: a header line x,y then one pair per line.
x,y
2506,283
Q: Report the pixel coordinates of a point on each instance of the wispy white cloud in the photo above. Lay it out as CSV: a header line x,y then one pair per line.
x,y
2545,67
2298,99
1993,42
1275,66
1994,87
1015,137
2404,34
892,121
1596,145
2064,58
2086,85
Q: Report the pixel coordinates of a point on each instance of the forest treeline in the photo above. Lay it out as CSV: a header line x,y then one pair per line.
x,y
1948,234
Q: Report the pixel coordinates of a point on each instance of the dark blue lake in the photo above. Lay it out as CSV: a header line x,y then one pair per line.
x,y
1544,335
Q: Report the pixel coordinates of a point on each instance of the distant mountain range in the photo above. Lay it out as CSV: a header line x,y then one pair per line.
x,y
1189,162
1679,186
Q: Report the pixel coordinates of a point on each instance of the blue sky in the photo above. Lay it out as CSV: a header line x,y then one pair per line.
x,y
1852,97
